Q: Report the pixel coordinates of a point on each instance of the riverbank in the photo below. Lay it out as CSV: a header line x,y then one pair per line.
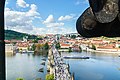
x,y
63,50
94,51
98,51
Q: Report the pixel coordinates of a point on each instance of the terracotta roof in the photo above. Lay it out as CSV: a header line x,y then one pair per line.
x,y
7,41
71,40
22,44
49,43
63,44
110,46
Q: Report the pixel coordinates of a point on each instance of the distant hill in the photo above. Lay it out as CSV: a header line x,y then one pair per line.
x,y
10,34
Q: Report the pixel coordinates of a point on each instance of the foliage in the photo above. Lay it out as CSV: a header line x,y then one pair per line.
x,y
46,46
70,50
38,79
49,77
10,34
119,47
35,41
73,36
93,47
57,45
19,79
80,49
33,47
39,46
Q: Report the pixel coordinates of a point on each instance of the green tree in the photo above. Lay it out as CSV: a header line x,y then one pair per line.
x,y
35,41
118,46
46,46
19,79
80,49
33,47
49,77
38,79
93,47
73,36
70,50
57,45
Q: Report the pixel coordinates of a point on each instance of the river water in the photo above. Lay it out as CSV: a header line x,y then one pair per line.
x,y
25,66
99,67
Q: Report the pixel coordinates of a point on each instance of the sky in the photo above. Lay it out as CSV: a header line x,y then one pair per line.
x,y
43,16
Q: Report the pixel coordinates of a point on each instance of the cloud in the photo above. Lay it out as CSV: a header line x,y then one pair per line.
x,y
21,21
67,17
54,24
49,19
49,22
59,30
78,2
38,30
54,30
17,20
32,11
22,3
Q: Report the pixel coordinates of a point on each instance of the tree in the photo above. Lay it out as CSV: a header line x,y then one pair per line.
x,y
93,47
118,46
73,36
46,46
33,47
70,50
38,79
19,79
57,45
80,49
49,77
35,41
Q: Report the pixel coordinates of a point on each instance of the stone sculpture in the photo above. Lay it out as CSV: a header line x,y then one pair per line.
x,y
102,18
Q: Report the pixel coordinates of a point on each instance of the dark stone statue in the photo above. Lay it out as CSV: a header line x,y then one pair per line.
x,y
102,18
105,10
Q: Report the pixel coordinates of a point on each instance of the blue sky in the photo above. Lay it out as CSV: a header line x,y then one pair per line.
x,y
43,16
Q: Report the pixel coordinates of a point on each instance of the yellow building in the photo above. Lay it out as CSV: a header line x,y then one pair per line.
x,y
22,46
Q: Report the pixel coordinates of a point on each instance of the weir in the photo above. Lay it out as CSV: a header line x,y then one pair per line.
x,y
57,67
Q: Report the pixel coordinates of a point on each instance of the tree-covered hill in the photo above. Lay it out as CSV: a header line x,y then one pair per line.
x,y
10,34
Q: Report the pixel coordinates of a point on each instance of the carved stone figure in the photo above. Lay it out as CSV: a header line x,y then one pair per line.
x,y
102,18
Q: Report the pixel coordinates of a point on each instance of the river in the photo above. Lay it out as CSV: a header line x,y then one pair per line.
x,y
99,67
25,66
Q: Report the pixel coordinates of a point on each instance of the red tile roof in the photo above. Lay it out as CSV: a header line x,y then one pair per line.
x,y
110,46
22,44
63,44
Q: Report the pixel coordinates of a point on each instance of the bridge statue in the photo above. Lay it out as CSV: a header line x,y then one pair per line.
x,y
102,18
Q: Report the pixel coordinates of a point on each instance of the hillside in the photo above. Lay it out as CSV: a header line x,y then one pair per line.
x,y
10,34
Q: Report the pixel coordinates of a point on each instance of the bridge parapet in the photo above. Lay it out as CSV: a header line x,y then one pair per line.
x,y
57,66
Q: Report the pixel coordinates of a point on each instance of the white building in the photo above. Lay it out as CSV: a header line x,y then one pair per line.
x,y
9,49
